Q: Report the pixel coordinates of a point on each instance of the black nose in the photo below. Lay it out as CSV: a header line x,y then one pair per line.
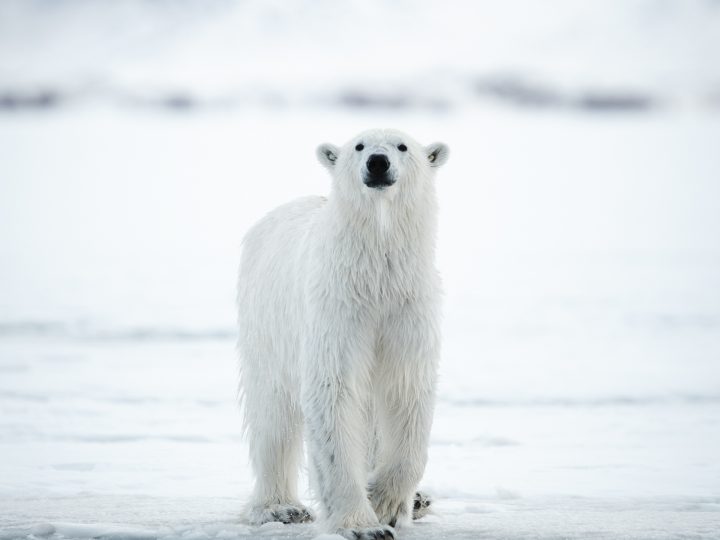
x,y
378,164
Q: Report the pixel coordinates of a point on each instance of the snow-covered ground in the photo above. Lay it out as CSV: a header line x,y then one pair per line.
x,y
580,391
580,251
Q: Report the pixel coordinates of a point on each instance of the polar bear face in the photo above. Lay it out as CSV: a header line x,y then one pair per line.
x,y
379,162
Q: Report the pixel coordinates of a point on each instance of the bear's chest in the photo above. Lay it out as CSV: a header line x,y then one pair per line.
x,y
382,277
367,267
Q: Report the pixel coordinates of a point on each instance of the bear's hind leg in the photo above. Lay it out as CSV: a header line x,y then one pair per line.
x,y
274,430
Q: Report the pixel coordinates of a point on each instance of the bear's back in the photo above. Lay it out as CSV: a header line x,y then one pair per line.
x,y
269,280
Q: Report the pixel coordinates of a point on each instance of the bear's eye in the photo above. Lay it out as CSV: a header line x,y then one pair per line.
x,y
402,147
359,146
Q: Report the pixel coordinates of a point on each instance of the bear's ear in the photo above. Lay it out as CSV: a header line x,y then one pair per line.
x,y
327,154
437,153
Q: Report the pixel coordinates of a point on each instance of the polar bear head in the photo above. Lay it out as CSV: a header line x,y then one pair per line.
x,y
381,163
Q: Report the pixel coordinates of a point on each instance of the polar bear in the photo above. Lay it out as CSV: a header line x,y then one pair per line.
x,y
338,314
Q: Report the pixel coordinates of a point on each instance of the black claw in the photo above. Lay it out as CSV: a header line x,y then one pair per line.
x,y
421,501
393,521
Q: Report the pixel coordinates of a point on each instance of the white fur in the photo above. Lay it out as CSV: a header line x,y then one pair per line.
x,y
338,312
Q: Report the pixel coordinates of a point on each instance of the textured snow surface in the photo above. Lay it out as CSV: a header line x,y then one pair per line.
x,y
580,380
579,395
153,463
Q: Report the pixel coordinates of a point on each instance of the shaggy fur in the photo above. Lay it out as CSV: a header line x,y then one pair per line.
x,y
339,333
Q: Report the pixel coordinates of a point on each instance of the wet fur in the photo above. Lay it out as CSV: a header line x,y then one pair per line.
x,y
339,335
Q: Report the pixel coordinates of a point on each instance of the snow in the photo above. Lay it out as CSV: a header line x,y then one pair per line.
x,y
579,391
580,379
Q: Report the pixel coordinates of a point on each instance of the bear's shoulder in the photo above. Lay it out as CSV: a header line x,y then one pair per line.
x,y
288,218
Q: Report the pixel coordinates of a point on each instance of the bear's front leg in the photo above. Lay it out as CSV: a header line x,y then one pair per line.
x,y
405,398
337,358
393,484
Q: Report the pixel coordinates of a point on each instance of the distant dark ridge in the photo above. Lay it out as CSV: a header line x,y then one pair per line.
x,y
39,99
84,332
510,89
617,101
359,99
518,91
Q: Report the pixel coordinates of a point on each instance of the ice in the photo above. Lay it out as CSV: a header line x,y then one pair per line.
x,y
579,382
